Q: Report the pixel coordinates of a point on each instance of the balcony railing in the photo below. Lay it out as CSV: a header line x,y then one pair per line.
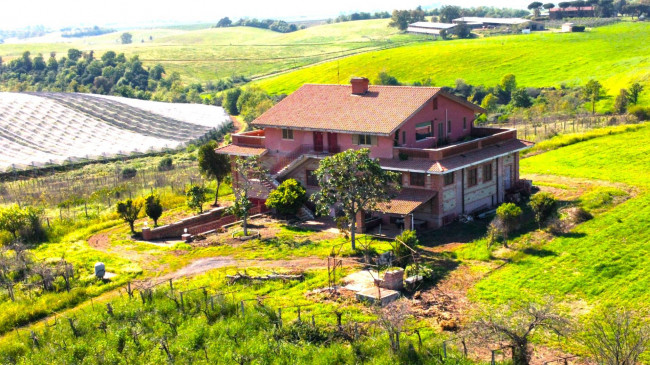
x,y
252,138
485,137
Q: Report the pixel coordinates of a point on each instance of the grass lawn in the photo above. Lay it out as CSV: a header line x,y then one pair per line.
x,y
615,55
208,54
603,261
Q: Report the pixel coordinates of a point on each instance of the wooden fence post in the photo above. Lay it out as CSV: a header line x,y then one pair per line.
x,y
242,309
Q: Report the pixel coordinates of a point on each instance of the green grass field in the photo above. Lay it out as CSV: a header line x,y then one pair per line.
x,y
603,261
207,54
615,55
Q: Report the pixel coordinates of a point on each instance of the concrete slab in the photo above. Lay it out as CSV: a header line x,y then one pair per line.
x,y
372,296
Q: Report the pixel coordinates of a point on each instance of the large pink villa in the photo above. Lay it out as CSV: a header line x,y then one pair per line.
x,y
449,167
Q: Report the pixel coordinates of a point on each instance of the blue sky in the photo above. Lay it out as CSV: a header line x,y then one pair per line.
x,y
135,12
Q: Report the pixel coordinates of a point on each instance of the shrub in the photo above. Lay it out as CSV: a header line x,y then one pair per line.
x,y
507,219
578,28
543,205
195,198
408,237
287,198
129,210
641,113
153,208
129,173
578,215
165,164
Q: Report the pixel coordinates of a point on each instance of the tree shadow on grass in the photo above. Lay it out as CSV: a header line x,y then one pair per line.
x,y
539,252
572,235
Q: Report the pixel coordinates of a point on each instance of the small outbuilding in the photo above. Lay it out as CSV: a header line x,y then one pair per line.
x,y
428,28
567,27
480,22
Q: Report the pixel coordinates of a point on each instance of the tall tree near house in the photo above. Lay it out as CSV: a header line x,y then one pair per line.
x,y
635,90
548,6
449,12
593,91
129,210
248,171
535,7
214,165
355,182
514,327
400,19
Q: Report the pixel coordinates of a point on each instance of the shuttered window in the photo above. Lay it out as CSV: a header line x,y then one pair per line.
x,y
487,172
364,140
449,178
472,177
417,179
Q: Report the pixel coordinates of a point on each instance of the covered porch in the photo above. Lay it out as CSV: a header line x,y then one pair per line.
x,y
412,209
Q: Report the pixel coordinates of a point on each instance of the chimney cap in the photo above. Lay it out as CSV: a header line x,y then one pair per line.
x,y
359,85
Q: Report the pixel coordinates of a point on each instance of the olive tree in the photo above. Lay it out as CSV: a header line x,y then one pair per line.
x,y
195,197
129,210
248,171
616,336
12,220
287,198
213,165
514,326
543,205
355,182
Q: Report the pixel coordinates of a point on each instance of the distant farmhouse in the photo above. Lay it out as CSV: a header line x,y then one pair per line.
x,y
572,12
434,29
478,22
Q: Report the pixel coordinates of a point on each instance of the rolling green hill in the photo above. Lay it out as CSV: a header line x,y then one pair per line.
x,y
208,54
615,55
605,260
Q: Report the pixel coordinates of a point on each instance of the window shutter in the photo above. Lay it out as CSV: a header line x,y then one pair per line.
x,y
355,139
375,141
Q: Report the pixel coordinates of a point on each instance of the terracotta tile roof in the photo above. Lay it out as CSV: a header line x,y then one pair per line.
x,y
236,150
458,161
407,201
333,107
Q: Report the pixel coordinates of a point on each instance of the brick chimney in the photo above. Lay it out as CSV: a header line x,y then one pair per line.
x,y
359,85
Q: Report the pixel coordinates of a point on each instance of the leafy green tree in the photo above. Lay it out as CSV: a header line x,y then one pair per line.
x,y
230,101
489,102
449,12
153,208
508,83
74,54
635,90
246,171
543,205
12,220
507,219
129,210
213,165
548,6
252,102
535,7
593,91
224,22
287,199
400,19
521,99
463,31
383,78
623,98
356,182
195,197
126,38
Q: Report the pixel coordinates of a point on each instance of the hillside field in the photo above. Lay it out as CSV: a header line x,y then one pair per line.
x,y
615,55
209,54
603,261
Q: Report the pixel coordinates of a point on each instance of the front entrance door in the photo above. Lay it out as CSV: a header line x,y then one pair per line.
x,y
318,141
332,143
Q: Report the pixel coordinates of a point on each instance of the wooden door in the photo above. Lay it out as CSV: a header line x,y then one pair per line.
x,y
318,141
332,143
